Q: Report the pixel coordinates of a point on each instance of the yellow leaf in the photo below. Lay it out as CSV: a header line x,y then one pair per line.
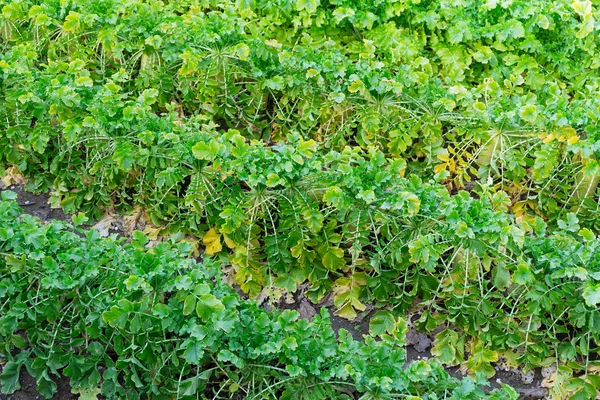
x,y
152,232
212,241
311,72
12,176
549,138
355,86
230,243
573,140
443,157
439,168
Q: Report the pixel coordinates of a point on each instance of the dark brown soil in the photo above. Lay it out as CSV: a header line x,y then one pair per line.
x,y
418,346
37,205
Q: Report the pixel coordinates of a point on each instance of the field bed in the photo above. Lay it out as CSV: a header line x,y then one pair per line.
x,y
418,345
429,163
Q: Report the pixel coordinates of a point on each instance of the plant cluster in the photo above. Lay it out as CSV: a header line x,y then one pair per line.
x,y
130,323
328,142
461,89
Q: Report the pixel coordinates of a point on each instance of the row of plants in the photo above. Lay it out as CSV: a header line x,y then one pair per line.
x,y
350,224
289,136
462,90
127,322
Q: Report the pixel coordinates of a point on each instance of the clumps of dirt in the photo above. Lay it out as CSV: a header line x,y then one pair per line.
x,y
36,204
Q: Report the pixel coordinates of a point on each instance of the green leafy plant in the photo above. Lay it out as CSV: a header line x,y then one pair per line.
x,y
127,322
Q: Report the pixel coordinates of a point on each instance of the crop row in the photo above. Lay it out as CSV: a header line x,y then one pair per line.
x,y
320,142
463,90
130,323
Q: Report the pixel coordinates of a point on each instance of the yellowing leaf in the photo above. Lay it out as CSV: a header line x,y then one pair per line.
x,y
528,113
311,72
152,232
242,51
355,86
582,8
439,168
212,241
586,27
12,176
71,23
230,243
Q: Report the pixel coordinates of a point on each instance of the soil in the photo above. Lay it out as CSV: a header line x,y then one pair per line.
x,y
28,391
418,344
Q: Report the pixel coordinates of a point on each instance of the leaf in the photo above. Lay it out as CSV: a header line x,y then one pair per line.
x,y
583,8
79,219
9,379
591,294
333,259
586,27
189,304
523,275
225,320
355,86
207,151
116,317
194,352
341,13
481,359
71,23
445,347
382,322
86,393
314,220
528,113
123,155
84,81
338,97
206,305
212,241
309,5
501,276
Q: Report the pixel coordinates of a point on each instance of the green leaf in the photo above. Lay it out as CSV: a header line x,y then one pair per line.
x,y
528,113
206,305
9,379
8,195
481,359
338,97
189,304
309,5
123,156
333,258
116,317
314,219
501,276
591,294
194,352
382,322
71,23
341,13
84,81
79,219
207,151
148,97
523,275
225,320
447,347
